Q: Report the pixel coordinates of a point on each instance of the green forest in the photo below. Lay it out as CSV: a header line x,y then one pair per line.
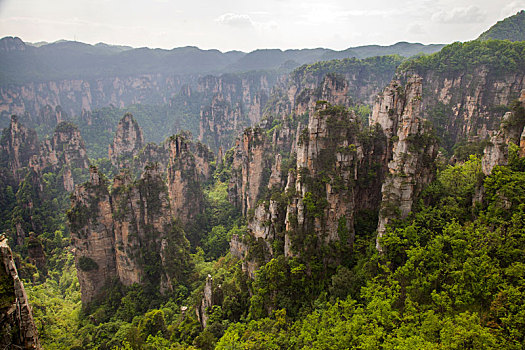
x,y
449,275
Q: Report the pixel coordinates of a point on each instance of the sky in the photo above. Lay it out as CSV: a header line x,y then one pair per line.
x,y
247,25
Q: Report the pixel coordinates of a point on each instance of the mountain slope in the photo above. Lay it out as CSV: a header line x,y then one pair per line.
x,y
511,28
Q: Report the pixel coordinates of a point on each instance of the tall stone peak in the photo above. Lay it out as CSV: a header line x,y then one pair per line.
x,y
19,144
184,175
64,151
117,233
398,112
250,165
127,143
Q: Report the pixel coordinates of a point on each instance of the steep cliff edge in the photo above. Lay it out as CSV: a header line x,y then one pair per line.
x,y
413,148
134,231
128,234
17,329
467,87
338,82
302,193
184,180
127,143
35,178
92,234
236,102
18,145
512,130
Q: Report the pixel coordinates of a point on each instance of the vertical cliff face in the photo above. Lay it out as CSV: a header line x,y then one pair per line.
x,y
410,159
338,82
17,329
152,154
184,187
23,165
333,89
237,102
467,104
250,169
206,302
76,95
220,121
18,145
339,168
300,190
92,234
126,233
512,129
143,221
127,143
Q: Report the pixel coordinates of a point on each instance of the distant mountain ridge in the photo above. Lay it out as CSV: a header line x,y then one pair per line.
x,y
25,62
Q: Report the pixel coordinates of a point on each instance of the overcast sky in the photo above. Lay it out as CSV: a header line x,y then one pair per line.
x,y
249,24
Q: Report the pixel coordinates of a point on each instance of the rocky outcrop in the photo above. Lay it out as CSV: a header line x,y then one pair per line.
x,y
333,89
309,189
399,113
185,193
337,175
250,169
134,233
338,82
512,129
127,143
17,328
237,102
152,154
64,153
18,145
206,302
340,170
220,121
467,105
92,234
76,96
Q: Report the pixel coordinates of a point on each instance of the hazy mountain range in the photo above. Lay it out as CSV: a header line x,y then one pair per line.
x,y
25,62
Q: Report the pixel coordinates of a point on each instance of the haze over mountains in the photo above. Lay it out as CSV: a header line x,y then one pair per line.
x,y
71,59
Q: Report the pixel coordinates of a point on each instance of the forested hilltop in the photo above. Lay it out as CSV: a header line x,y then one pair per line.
x,y
352,203
510,28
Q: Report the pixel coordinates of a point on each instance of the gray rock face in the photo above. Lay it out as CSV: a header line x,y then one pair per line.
x,y
127,143
115,231
19,144
64,151
206,302
512,129
17,328
399,113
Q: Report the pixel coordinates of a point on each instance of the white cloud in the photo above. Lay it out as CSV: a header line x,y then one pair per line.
x,y
471,14
235,20
512,8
